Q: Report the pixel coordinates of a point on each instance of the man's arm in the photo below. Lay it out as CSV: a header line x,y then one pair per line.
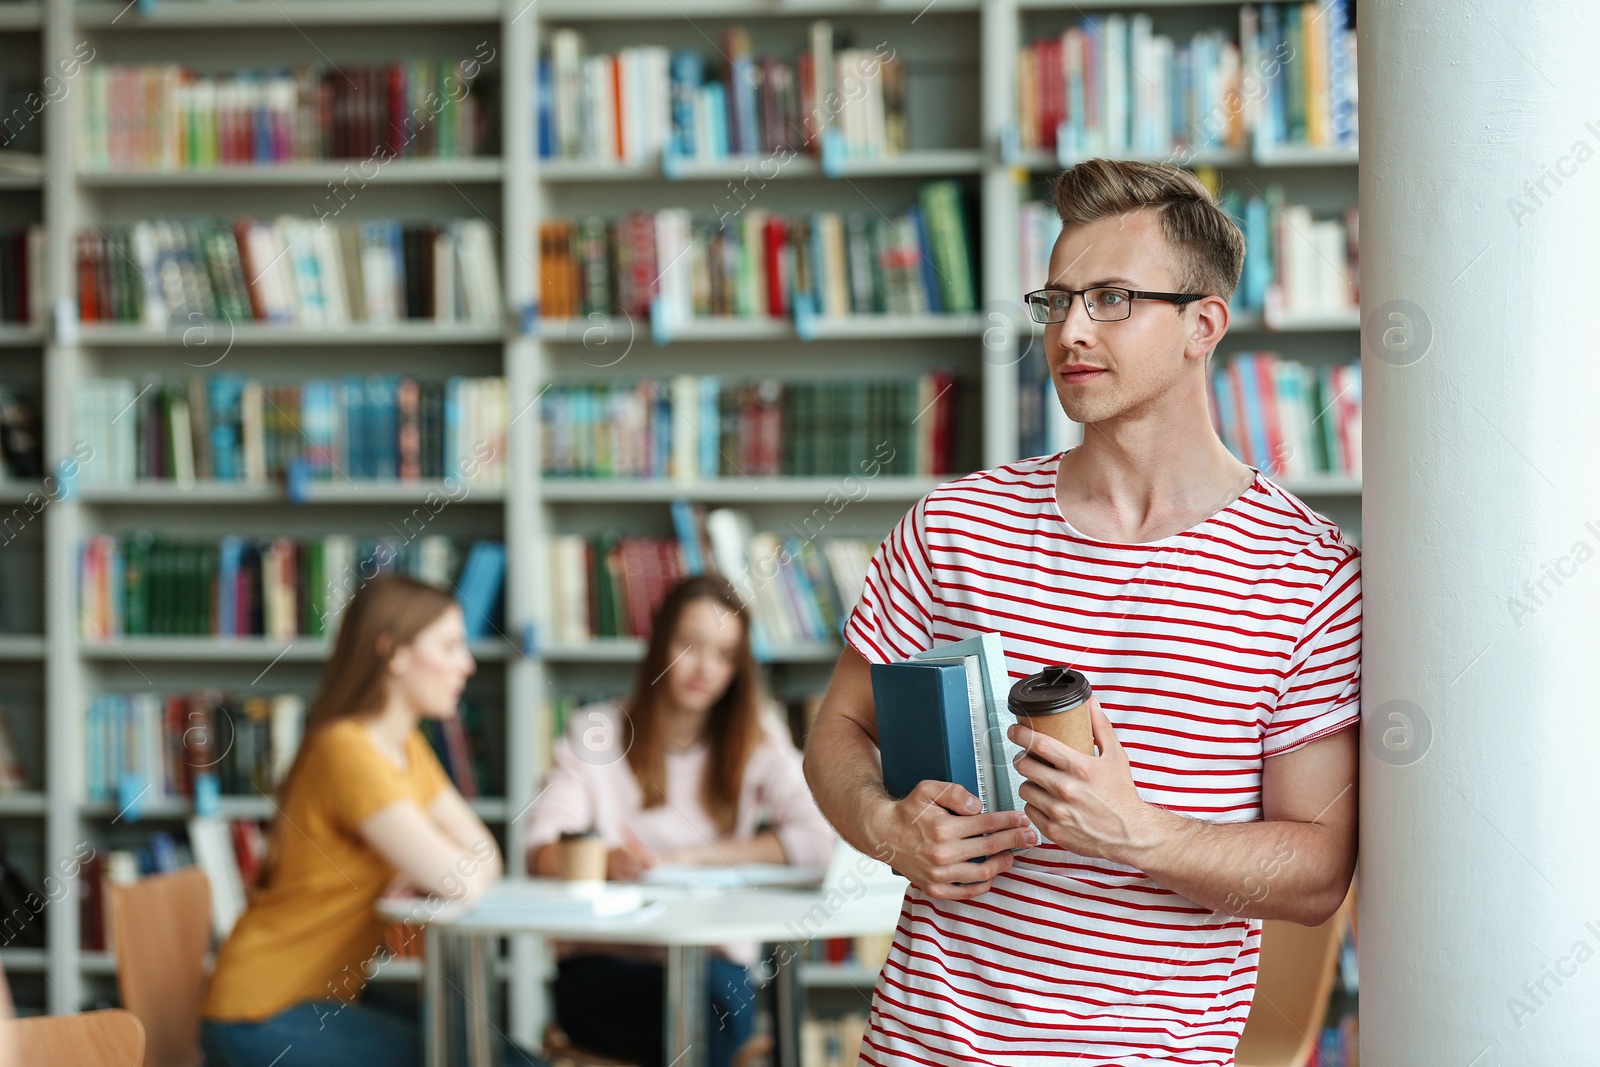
x,y
1295,864
924,835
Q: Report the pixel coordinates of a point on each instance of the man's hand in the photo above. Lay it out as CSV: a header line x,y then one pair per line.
x,y
1085,804
933,834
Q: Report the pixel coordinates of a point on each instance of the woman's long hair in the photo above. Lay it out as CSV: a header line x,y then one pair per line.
x,y
386,613
733,726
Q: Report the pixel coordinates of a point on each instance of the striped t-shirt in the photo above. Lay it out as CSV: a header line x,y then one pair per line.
x,y
1209,650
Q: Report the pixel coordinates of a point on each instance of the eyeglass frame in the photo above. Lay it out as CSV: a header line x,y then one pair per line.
x,y
1181,299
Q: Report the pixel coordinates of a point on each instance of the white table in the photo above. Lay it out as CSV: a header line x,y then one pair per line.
x,y
685,925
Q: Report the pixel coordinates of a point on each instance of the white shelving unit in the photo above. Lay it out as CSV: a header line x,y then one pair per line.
x,y
961,57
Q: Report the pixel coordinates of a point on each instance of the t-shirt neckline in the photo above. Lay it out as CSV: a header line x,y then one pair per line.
x,y
1061,517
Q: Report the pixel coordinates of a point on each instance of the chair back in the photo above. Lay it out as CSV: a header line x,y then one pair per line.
x,y
112,1038
1298,966
162,929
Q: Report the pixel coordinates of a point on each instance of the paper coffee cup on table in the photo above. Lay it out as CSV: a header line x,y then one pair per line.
x,y
1056,702
583,861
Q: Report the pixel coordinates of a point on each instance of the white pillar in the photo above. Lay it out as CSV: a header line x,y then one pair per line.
x,y
1480,777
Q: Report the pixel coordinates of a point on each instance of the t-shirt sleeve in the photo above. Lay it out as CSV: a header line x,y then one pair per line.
x,y
1321,693
352,779
894,617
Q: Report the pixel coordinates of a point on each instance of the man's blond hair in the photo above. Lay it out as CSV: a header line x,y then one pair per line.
x,y
1207,246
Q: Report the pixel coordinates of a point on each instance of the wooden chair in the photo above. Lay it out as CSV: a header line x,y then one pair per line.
x,y
1298,966
113,1038
162,929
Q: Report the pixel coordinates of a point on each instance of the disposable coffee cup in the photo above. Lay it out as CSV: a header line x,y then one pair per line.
x,y
583,861
1055,702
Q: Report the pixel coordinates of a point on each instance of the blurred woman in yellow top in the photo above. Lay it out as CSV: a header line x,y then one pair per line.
x,y
364,806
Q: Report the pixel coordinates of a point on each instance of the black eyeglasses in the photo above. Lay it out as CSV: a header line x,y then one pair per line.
x,y
1104,303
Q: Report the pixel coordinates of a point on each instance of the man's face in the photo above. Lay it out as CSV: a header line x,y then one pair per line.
x,y
1105,370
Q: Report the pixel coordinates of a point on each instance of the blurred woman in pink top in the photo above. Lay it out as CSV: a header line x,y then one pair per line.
x,y
691,768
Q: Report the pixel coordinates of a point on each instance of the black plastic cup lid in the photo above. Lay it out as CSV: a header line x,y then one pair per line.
x,y
1052,690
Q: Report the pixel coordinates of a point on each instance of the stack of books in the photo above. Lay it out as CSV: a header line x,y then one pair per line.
x,y
1287,419
231,428
22,280
692,427
288,272
752,263
164,116
634,105
144,584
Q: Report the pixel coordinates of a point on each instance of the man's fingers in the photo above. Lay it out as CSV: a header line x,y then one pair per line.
x,y
948,795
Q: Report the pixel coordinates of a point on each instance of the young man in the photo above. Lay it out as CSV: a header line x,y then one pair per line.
x,y
1218,619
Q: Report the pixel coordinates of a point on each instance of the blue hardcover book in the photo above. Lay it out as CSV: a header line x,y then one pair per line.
x,y
1227,414
930,276
354,395
716,138
1253,419
710,453
924,726
688,71
688,542
383,426
1272,47
544,129
1258,254
478,588
225,393
1341,112
229,552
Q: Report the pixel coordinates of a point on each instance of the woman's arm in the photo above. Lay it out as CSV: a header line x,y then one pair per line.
x,y
417,845
461,824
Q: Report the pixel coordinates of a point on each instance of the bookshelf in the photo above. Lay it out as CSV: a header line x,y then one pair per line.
x,y
961,58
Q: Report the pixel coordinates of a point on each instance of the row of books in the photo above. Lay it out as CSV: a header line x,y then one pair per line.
x,y
690,427
22,280
188,274
231,428
141,584
1112,86
634,105
1305,57
1288,419
159,746
754,264
21,442
800,590
163,116
1295,263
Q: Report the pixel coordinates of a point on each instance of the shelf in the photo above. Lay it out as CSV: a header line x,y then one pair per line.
x,y
613,329
898,489
21,16
1282,156
1329,322
97,962
677,10
21,647
20,181
23,960
13,335
1305,156
289,14
837,976
1323,485
222,334
630,649
26,802
238,649
143,494
17,492
926,163
490,809
320,172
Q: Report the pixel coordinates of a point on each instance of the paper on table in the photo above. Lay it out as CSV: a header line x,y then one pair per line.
x,y
739,876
